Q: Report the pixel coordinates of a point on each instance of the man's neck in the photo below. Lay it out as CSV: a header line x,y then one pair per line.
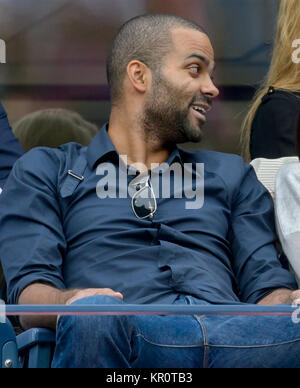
x,y
129,139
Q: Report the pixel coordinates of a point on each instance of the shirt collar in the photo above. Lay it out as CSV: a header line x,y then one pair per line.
x,y
102,145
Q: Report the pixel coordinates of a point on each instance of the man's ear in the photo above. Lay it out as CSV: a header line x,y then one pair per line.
x,y
138,74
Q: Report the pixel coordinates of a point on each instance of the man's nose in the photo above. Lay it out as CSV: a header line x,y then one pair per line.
x,y
208,88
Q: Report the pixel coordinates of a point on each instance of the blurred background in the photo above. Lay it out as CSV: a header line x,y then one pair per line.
x,y
56,52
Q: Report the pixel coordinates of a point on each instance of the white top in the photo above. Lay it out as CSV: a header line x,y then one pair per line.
x,y
287,207
266,170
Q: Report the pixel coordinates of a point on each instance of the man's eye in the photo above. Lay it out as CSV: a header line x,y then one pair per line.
x,y
194,69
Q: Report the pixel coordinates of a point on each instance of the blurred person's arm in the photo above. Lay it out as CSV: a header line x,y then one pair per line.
x,y
287,206
10,148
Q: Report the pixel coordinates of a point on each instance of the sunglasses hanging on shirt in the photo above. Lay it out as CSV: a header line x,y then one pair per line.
x,y
143,201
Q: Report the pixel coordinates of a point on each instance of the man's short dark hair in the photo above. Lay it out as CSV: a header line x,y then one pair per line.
x,y
145,38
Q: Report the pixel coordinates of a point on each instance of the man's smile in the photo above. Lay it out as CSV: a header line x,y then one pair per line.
x,y
199,111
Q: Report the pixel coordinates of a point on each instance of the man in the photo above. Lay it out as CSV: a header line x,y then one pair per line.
x,y
66,238
10,149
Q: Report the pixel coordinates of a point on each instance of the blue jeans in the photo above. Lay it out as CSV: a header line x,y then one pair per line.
x,y
213,341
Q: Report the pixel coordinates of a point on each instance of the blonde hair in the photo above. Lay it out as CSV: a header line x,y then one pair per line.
x,y
283,73
52,128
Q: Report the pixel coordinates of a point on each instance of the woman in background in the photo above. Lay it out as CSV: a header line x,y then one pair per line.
x,y
269,129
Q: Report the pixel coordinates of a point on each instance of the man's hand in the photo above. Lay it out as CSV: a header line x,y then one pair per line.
x,y
295,296
80,294
42,294
93,292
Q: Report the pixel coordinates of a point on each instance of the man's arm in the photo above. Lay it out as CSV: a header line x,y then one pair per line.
x,y
258,271
32,240
281,296
43,294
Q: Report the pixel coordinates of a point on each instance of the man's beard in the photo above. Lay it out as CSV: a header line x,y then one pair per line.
x,y
165,119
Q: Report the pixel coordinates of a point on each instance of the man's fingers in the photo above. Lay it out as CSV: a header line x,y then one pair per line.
x,y
295,297
94,292
118,295
108,291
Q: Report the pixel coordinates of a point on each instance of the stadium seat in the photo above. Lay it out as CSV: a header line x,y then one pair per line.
x,y
36,347
31,349
8,346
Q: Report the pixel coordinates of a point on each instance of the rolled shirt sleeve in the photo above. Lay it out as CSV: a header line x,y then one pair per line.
x,y
32,242
252,236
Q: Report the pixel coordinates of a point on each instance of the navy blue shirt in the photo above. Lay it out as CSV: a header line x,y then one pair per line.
x,y
55,229
10,149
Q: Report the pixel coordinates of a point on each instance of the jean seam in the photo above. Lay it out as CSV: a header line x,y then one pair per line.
x,y
166,345
205,342
188,300
255,346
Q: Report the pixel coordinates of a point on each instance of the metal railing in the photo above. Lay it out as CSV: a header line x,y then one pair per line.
x,y
137,309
